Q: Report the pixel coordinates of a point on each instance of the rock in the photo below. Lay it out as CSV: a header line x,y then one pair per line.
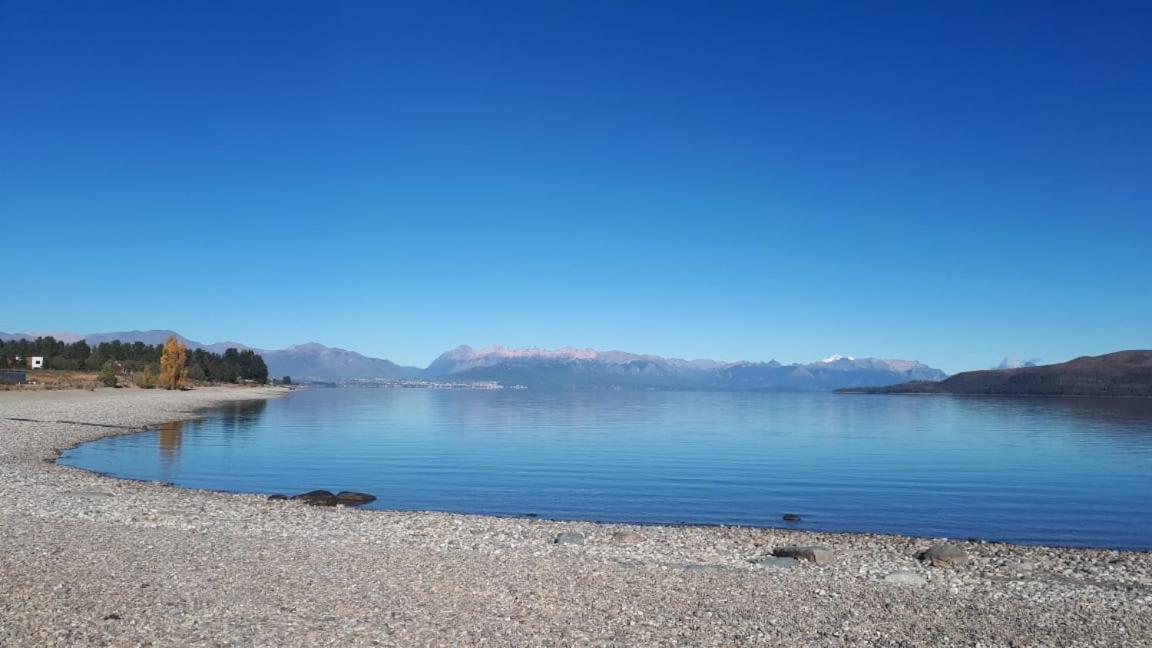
x,y
791,517
944,554
317,498
278,496
905,578
698,568
775,561
351,498
569,538
812,553
1020,566
627,537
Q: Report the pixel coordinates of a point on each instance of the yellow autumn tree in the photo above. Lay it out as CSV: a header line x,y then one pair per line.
x,y
173,364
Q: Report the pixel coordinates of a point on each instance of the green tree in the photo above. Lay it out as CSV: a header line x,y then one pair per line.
x,y
107,375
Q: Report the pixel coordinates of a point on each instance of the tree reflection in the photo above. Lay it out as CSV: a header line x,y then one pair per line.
x,y
171,436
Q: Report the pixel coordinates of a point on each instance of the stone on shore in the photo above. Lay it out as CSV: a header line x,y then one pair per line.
x,y
817,554
569,538
944,554
775,561
905,578
352,498
627,537
317,498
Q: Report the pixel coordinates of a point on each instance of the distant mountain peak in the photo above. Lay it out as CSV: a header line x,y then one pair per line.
x,y
836,358
1012,362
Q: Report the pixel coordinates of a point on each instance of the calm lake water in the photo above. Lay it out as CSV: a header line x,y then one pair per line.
x,y
1049,471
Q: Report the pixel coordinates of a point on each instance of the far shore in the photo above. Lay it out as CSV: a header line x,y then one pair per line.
x,y
89,559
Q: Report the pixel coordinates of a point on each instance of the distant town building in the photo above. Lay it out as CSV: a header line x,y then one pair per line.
x,y
35,362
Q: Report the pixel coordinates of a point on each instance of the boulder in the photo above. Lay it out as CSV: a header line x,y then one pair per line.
x,y
278,496
944,554
627,537
775,561
791,517
569,538
812,553
351,498
317,498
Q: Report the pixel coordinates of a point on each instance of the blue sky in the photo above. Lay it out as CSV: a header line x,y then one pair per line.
x,y
950,182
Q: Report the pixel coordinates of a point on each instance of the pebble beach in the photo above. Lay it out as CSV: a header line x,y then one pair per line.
x,y
92,560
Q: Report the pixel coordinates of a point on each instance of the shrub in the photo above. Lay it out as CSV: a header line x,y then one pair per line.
x,y
145,379
107,376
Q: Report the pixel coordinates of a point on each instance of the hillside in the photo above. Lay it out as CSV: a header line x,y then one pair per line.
x,y
314,361
1123,373
309,361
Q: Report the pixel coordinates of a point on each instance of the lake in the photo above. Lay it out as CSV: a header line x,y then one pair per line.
x,y
1055,471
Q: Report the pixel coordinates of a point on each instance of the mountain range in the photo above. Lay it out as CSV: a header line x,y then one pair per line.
x,y
567,368
1123,373
572,368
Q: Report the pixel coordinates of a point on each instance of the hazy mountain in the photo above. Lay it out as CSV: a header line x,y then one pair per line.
x,y
1124,373
303,362
571,368
16,336
151,337
315,361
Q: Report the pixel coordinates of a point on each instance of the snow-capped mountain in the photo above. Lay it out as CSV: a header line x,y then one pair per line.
x,y
573,368
1012,362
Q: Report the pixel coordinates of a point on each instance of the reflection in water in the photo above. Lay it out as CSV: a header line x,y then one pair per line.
x,y
1042,470
170,436
239,416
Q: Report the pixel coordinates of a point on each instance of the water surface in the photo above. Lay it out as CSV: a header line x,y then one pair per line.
x,y
1058,471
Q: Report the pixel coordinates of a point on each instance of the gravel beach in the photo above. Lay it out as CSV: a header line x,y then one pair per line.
x,y
91,560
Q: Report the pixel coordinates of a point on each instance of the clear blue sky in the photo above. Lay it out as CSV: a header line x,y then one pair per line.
x,y
950,182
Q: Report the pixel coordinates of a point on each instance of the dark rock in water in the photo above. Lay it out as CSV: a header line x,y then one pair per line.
x,y
569,538
791,517
775,561
812,553
944,554
317,498
278,496
351,498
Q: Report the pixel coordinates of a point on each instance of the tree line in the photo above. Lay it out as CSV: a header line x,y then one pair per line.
x,y
232,366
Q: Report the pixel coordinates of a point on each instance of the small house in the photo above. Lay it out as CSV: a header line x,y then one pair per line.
x,y
35,362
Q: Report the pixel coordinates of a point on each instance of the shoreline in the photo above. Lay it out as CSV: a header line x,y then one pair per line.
x,y
278,392
86,553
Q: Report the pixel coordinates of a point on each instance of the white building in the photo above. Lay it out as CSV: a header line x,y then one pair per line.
x,y
35,362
